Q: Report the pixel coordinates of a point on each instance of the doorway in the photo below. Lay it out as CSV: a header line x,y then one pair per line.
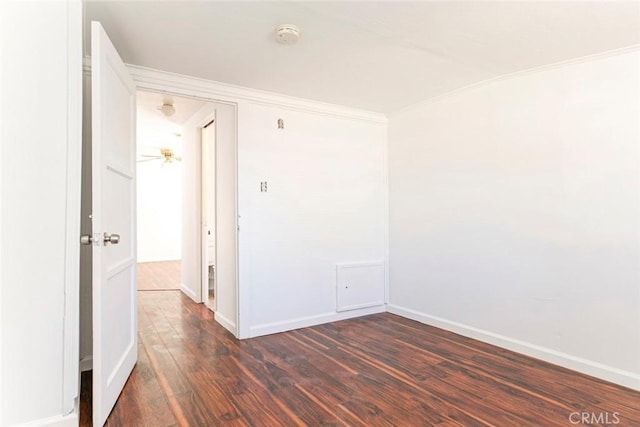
x,y
159,189
197,137
205,146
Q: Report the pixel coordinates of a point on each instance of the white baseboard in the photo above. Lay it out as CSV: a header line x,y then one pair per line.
x,y
304,322
226,323
69,420
86,363
188,292
595,369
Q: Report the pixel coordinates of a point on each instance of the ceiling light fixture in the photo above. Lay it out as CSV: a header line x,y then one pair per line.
x,y
167,109
287,34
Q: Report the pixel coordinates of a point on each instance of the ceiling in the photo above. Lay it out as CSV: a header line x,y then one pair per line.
x,y
377,56
155,130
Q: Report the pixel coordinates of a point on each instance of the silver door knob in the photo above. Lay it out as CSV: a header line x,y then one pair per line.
x,y
86,239
114,239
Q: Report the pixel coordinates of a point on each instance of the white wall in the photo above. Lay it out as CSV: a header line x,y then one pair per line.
x,y
40,176
339,121
515,214
159,197
324,205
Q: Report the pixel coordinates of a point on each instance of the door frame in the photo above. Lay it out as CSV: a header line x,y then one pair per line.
x,y
148,81
74,107
204,243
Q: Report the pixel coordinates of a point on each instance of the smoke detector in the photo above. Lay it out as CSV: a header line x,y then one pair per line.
x,y
287,34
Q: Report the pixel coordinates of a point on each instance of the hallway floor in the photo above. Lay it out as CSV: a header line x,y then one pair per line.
x,y
159,276
375,370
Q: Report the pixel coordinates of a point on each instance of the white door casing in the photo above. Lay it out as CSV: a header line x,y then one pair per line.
x,y
208,205
226,217
210,177
113,188
204,265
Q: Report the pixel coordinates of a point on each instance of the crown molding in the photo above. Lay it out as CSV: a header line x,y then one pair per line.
x,y
194,87
534,70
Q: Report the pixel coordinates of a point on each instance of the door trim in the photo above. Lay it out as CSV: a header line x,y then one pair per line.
x,y
71,322
204,285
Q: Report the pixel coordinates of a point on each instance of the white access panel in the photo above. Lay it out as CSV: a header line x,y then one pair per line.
x,y
359,285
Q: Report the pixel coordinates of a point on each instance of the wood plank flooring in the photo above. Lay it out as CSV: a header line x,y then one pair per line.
x,y
160,275
379,370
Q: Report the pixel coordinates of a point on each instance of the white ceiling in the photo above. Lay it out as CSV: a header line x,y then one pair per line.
x,y
378,56
154,129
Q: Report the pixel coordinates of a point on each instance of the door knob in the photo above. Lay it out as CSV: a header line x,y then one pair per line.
x,y
114,239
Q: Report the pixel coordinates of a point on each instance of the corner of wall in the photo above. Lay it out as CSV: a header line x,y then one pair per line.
x,y
226,323
190,293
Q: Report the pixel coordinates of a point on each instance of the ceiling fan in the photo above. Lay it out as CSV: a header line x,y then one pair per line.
x,y
166,155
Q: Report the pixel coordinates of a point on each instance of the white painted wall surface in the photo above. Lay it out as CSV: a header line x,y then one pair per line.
x,y
159,211
325,204
515,214
41,63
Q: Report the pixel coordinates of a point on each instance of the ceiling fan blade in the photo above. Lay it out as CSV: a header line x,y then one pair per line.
x,y
148,160
148,155
178,158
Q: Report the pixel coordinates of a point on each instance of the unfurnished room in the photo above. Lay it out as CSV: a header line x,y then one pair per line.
x,y
305,213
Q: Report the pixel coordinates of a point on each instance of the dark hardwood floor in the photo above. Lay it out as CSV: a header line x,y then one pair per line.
x,y
375,370
159,275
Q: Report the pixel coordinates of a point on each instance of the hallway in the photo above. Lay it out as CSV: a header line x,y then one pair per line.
x,y
159,275
375,370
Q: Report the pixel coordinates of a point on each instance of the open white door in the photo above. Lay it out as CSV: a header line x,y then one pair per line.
x,y
114,226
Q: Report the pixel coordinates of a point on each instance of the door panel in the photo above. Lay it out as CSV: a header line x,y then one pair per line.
x,y
113,188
